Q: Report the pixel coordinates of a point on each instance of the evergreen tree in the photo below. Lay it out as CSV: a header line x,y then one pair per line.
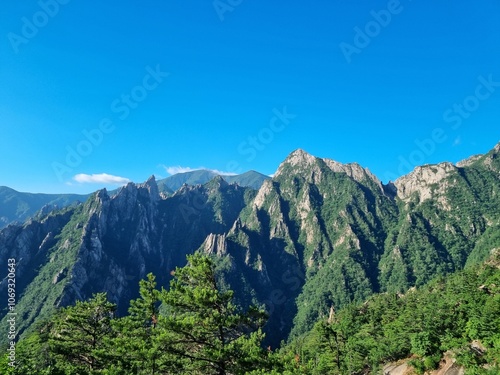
x,y
210,335
139,345
78,335
33,354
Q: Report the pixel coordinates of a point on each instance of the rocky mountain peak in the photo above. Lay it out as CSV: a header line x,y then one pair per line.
x,y
147,189
217,182
102,194
297,159
429,181
423,180
151,180
152,187
97,201
353,170
312,168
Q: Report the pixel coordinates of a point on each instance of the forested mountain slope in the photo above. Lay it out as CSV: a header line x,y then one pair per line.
x,y
319,234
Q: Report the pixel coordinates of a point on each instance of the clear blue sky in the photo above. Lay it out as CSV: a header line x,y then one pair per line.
x,y
247,84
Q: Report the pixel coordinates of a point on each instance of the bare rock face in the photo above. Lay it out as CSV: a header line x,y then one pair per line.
x,y
264,191
215,244
469,161
427,181
152,187
301,161
298,159
397,369
353,170
432,181
117,240
447,367
26,244
497,148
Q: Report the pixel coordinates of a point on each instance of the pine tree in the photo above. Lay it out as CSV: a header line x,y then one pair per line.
x,y
33,355
210,334
78,335
139,346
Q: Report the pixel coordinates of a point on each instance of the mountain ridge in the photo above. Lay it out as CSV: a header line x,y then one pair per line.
x,y
318,234
28,204
171,184
18,206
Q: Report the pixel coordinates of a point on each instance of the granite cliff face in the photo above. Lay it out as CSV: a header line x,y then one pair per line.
x,y
319,234
111,242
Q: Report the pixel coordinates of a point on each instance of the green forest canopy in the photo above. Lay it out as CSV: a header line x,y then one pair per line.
x,y
195,328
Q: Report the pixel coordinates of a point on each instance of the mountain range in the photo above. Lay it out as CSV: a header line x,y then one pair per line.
x,y
17,207
172,183
316,236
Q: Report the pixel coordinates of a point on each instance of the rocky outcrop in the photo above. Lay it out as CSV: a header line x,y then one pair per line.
x,y
311,166
427,182
215,244
446,367
298,160
397,369
29,244
469,161
432,181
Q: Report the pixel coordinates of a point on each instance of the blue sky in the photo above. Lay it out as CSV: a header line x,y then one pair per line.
x,y
98,92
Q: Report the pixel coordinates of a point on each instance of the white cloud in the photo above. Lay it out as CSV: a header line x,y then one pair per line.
x,y
458,141
101,178
178,169
222,173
